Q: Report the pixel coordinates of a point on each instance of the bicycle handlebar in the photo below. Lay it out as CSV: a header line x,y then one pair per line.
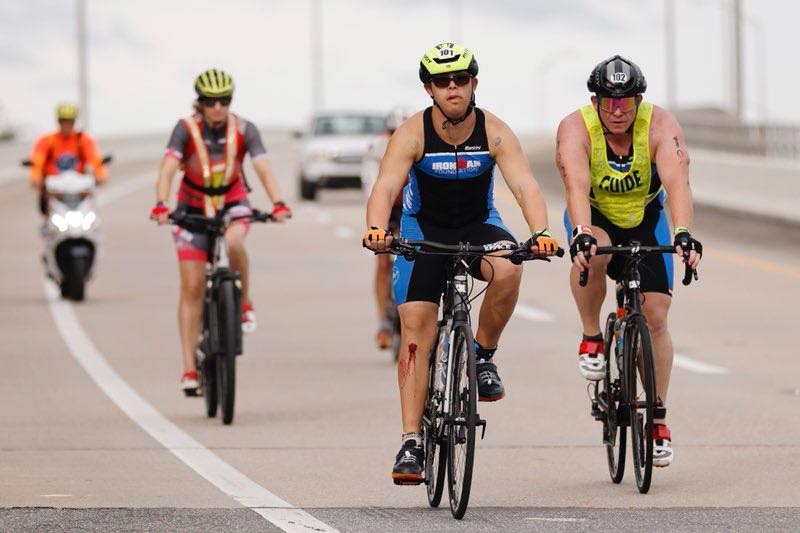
x,y
637,250
519,252
217,223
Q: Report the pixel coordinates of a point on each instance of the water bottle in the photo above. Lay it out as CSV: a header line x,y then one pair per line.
x,y
442,355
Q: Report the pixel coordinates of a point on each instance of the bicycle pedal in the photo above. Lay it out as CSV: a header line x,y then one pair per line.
x,y
482,423
191,393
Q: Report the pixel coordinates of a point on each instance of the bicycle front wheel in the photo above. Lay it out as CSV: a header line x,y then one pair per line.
x,y
610,394
640,395
230,324
463,416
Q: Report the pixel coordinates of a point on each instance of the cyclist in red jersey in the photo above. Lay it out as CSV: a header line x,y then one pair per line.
x,y
210,147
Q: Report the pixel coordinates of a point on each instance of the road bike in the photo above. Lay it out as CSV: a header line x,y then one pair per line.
x,y
626,396
221,338
450,416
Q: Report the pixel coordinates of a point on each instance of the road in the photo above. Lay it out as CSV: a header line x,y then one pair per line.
x,y
95,435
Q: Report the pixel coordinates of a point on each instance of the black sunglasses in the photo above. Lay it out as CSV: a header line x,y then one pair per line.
x,y
443,82
210,101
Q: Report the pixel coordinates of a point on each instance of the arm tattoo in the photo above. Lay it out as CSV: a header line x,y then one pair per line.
x,y
680,153
560,165
497,141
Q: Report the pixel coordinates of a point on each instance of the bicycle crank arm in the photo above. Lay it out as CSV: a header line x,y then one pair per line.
x,y
482,423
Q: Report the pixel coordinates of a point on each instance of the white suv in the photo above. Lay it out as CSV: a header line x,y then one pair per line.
x,y
332,152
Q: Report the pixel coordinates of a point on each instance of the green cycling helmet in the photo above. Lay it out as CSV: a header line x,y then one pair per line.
x,y
213,83
445,58
66,111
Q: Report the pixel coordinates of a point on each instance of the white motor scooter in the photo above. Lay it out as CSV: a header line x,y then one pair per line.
x,y
71,231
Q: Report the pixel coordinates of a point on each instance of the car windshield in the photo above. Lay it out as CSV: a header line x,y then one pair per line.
x,y
348,125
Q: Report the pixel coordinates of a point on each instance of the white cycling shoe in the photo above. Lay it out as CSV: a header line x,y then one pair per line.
x,y
662,446
592,360
248,318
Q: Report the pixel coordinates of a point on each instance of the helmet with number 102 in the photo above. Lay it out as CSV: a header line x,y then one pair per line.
x,y
616,77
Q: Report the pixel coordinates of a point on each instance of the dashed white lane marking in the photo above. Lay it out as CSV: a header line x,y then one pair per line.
x,y
531,313
343,232
109,193
698,367
323,218
555,519
197,457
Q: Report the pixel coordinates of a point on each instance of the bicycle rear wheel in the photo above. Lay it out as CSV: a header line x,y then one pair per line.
x,y
230,326
435,447
463,416
640,395
614,427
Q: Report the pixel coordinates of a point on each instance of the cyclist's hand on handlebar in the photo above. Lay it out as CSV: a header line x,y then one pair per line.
x,y
687,246
543,243
583,243
159,213
377,239
280,212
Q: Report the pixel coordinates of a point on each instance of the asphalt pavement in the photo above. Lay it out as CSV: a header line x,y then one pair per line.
x,y
94,434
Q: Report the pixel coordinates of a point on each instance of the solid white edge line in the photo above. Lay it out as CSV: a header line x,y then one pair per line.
x,y
531,313
197,457
698,367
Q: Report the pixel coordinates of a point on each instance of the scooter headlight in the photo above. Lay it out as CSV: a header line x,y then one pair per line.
x,y
59,221
88,220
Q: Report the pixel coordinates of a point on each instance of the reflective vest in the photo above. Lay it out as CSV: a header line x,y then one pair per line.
x,y
217,177
621,196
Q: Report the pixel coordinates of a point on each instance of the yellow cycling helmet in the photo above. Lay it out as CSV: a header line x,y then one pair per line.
x,y
445,58
66,111
213,83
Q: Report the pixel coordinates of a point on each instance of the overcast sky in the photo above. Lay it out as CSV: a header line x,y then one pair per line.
x,y
534,56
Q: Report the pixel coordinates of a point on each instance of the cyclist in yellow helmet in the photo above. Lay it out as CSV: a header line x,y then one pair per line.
x,y
448,153
210,147
620,157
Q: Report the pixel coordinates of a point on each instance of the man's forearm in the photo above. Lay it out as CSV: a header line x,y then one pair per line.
x,y
579,208
680,206
379,207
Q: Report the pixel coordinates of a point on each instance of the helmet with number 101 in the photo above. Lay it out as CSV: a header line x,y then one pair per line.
x,y
446,58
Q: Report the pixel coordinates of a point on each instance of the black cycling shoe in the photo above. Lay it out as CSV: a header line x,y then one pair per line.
x,y
490,387
409,465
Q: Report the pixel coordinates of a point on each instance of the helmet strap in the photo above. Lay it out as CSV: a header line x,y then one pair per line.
x,y
458,120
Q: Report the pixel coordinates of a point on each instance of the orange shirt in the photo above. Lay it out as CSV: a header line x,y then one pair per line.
x,y
50,147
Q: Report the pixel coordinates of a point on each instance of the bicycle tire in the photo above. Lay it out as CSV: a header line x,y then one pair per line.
x,y
640,390
614,432
230,325
464,410
435,450
208,370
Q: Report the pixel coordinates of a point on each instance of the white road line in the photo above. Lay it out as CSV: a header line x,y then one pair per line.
x,y
323,217
531,313
698,367
216,471
109,193
548,519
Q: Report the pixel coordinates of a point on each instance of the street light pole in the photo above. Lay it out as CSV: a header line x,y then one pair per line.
x,y
738,88
317,79
455,20
83,78
670,52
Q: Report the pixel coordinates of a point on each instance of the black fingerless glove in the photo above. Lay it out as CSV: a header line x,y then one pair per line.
x,y
581,243
687,243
